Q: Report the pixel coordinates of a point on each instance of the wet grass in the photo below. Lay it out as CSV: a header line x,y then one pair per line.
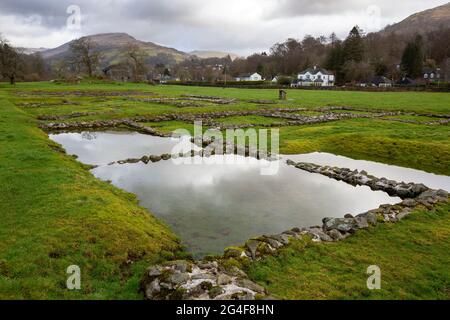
x,y
411,145
412,101
55,214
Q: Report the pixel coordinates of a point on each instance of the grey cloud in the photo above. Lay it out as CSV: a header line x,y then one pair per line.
x,y
53,13
290,8
193,24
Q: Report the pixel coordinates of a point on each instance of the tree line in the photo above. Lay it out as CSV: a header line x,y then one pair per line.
x,y
15,65
356,58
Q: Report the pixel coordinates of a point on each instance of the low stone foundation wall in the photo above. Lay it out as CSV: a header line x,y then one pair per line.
x,y
219,278
288,117
98,125
362,178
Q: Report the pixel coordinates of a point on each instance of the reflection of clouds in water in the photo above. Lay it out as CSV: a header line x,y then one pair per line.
x,y
107,147
236,200
211,206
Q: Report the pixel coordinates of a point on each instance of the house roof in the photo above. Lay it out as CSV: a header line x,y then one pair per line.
x,y
247,75
380,79
316,70
406,80
429,70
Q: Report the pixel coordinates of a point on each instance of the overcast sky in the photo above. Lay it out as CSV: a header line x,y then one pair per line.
x,y
240,26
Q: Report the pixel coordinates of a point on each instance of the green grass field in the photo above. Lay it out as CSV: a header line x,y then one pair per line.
x,y
413,256
55,213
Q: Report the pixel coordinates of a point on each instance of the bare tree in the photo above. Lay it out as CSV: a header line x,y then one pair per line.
x,y
9,61
84,55
136,59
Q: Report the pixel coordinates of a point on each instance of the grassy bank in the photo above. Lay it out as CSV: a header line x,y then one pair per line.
x,y
413,256
54,214
433,102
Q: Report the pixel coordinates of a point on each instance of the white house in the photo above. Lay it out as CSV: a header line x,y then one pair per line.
x,y
249,77
431,75
315,77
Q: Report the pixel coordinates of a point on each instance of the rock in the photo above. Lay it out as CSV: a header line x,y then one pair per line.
x,y
208,265
370,216
283,238
273,243
223,279
442,193
245,296
179,278
152,289
215,291
235,271
361,223
409,203
154,271
203,276
291,233
404,213
290,162
245,283
348,216
166,157
417,189
233,252
155,158
252,246
340,224
319,234
335,235
180,265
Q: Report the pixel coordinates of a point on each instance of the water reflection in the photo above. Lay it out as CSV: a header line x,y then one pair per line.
x,y
214,206
98,148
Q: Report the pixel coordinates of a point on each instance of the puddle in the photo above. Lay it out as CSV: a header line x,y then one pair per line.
x,y
100,148
212,206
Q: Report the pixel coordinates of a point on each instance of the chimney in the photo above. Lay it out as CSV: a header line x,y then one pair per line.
x,y
315,67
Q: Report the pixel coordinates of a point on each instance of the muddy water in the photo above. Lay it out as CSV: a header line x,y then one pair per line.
x,y
212,206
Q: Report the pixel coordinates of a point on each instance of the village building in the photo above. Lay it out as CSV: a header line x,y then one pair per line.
x,y
314,77
431,75
281,78
406,81
249,77
381,82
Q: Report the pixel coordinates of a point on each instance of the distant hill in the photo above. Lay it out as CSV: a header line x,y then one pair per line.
x,y
422,22
111,45
204,54
31,50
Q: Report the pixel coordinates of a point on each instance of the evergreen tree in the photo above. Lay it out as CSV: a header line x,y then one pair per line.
x,y
412,60
354,45
335,60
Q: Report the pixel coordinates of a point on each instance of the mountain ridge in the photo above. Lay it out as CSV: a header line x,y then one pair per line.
x,y
111,44
422,22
